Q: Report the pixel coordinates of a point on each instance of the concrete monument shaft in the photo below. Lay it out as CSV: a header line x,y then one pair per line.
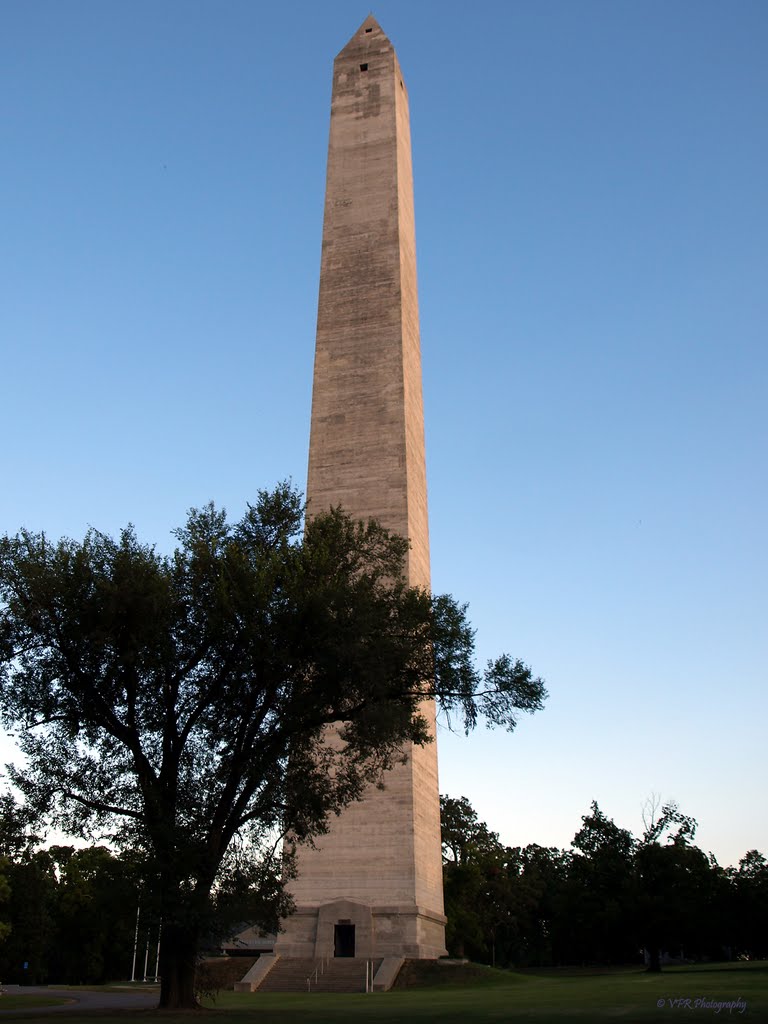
x,y
380,868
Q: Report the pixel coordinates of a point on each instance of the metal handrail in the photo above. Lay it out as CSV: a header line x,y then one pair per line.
x,y
319,968
325,962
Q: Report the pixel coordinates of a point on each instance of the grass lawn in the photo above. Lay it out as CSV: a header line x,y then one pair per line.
x,y
552,997
536,998
16,1002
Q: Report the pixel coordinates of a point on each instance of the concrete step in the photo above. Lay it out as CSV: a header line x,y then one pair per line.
x,y
341,975
288,975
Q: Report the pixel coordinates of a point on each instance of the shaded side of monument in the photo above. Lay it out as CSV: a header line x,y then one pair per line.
x,y
372,887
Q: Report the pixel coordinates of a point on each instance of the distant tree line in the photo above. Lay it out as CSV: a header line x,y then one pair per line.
x,y
89,915
613,898
68,915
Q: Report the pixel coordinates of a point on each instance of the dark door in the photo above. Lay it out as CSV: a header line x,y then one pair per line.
x,y
344,940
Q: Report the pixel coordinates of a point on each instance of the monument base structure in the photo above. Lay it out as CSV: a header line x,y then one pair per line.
x,y
372,886
345,928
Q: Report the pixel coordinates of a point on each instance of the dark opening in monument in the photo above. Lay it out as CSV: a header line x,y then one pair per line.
x,y
363,67
369,30
344,940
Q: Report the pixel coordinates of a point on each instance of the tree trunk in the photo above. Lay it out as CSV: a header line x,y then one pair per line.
x,y
654,959
178,959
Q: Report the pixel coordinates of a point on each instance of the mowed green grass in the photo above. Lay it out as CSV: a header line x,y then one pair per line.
x,y
534,998
627,996
16,1002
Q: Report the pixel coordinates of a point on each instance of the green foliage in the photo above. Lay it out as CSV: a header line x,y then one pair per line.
x,y
68,914
494,895
95,910
602,902
657,825
5,893
465,838
16,835
600,889
674,885
750,883
31,914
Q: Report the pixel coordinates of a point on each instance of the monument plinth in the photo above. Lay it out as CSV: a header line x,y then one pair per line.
x,y
373,886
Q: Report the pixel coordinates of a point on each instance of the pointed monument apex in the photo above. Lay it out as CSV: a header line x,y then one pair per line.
x,y
370,25
369,37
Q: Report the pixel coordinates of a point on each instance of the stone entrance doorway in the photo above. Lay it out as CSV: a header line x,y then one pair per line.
x,y
344,940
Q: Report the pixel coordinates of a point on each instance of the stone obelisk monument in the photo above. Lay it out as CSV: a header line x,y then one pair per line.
x,y
373,886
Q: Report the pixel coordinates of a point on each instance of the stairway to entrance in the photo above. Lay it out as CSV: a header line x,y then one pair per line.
x,y
339,974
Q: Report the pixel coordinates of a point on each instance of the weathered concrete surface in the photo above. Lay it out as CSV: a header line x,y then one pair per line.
x,y
254,977
386,976
367,454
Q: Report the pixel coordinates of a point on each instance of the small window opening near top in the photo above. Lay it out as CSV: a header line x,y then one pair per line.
x,y
369,30
363,67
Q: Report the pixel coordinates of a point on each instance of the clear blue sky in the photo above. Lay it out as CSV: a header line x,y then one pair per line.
x,y
591,224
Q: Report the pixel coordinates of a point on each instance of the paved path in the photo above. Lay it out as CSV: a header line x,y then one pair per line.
x,y
78,1000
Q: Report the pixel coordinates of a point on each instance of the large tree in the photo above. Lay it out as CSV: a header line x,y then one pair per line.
x,y
470,853
94,915
495,896
183,702
674,882
599,894
749,885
